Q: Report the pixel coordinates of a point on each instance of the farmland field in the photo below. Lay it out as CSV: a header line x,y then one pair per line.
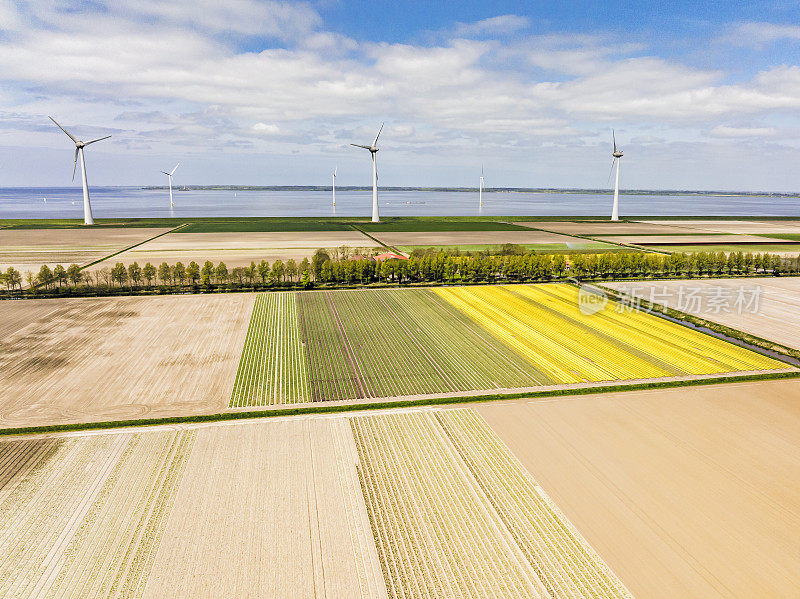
x,y
28,249
773,315
687,492
79,360
270,509
354,344
454,514
239,248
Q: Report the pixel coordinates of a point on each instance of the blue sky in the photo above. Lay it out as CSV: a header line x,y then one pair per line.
x,y
702,95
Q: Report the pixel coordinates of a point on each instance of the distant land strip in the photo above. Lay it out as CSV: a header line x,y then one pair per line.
x,y
675,192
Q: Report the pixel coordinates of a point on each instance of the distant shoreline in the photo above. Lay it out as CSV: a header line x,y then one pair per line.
x,y
655,192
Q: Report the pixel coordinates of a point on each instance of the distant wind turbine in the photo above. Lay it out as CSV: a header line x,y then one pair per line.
x,y
333,186
169,174
617,154
79,145
480,190
373,150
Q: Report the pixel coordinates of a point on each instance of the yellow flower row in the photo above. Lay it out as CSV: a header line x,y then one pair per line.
x,y
543,323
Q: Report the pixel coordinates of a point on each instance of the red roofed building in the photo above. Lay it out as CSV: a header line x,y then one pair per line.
x,y
389,256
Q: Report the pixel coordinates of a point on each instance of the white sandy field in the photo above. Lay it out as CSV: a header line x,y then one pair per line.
x,y
769,306
238,249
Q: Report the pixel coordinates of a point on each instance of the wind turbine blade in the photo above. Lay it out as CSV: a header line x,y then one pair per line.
x,y
75,164
98,139
375,143
614,137
335,170
64,130
360,146
167,174
175,169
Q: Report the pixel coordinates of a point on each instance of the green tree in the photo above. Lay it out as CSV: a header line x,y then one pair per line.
x,y
45,276
59,274
319,258
193,272
263,271
119,274
74,274
221,272
149,273
135,273
277,271
207,273
291,269
179,273
13,278
165,274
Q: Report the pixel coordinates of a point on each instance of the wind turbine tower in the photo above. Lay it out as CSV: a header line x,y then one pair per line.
x,y
333,186
617,154
373,150
169,174
480,190
79,145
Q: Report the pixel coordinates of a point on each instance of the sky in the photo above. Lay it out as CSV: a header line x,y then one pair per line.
x,y
701,95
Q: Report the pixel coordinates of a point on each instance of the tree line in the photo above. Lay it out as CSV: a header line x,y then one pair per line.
x,y
425,267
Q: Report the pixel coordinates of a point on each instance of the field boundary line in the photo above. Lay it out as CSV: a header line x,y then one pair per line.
x,y
280,409
117,253
378,241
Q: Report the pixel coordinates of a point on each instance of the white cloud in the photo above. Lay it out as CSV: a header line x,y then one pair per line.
x,y
740,132
759,34
499,25
164,77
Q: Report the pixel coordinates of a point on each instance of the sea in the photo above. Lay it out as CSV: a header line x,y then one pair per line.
x,y
131,202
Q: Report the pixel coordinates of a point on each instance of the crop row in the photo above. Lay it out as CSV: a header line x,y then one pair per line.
x,y
434,535
543,324
85,515
455,514
272,368
565,563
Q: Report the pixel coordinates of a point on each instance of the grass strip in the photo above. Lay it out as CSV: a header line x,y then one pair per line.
x,y
385,405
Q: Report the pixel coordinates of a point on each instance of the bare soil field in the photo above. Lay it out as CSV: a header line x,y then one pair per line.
x,y
270,509
456,238
237,248
78,360
693,239
28,249
684,492
734,226
774,313
607,228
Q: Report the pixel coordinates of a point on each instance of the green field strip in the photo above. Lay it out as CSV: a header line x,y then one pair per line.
x,y
272,368
332,370
338,408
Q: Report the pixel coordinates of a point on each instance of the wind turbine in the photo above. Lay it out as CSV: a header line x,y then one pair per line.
x,y
79,145
480,190
333,186
617,154
373,150
169,174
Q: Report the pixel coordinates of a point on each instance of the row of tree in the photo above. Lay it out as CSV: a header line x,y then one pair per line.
x,y
435,268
